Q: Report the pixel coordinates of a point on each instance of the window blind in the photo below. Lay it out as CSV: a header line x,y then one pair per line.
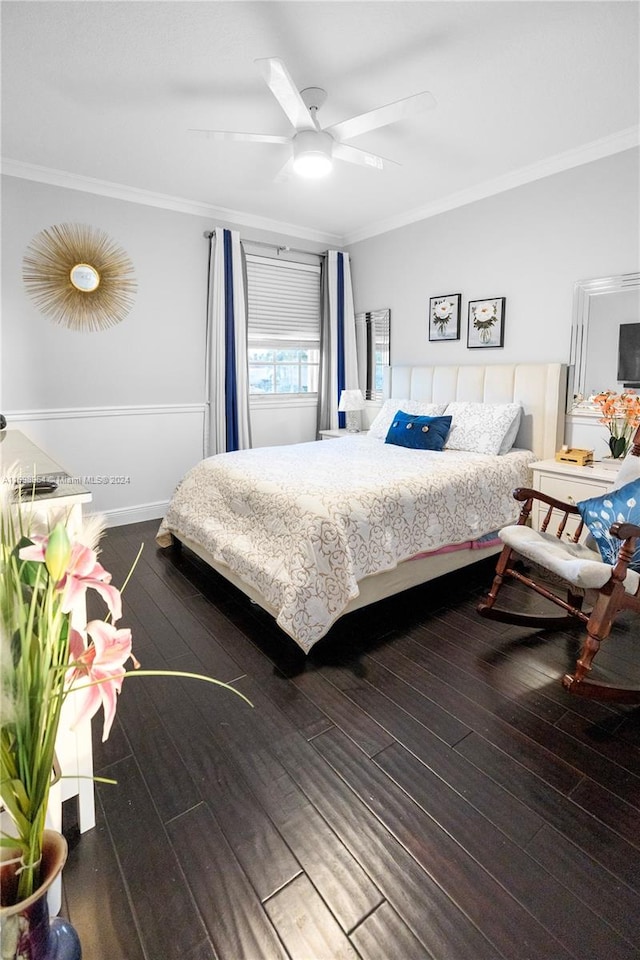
x,y
283,303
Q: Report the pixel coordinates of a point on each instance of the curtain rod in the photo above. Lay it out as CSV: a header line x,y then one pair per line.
x,y
280,247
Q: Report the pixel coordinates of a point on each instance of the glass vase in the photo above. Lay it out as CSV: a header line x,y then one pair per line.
x,y
26,933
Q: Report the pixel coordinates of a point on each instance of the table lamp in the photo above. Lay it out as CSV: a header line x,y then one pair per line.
x,y
351,403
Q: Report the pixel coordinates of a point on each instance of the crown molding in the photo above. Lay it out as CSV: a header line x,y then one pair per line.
x,y
606,146
596,150
119,191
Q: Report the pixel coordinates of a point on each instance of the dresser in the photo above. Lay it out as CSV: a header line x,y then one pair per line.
x,y
21,459
570,484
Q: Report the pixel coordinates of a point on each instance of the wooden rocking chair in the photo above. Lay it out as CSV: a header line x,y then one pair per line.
x,y
579,568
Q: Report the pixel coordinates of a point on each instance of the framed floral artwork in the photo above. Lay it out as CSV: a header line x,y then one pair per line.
x,y
444,317
486,322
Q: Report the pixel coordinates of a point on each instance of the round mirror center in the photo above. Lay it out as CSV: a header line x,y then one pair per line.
x,y
84,277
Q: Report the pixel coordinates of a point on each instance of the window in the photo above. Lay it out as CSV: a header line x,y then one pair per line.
x,y
284,326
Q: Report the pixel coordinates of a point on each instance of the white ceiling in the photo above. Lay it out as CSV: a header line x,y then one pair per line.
x,y
108,90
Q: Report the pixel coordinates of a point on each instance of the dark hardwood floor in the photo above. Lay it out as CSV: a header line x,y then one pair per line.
x,y
419,786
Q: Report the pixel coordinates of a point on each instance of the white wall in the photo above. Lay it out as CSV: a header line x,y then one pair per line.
x,y
128,401
529,244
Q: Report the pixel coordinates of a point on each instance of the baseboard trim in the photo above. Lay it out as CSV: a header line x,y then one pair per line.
x,y
120,516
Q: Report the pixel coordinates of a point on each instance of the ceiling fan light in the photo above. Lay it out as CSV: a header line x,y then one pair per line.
x,y
312,165
312,154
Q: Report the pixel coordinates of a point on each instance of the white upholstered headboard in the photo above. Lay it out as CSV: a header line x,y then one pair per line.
x,y
540,388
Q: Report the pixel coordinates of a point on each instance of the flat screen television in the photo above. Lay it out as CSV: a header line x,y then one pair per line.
x,y
629,354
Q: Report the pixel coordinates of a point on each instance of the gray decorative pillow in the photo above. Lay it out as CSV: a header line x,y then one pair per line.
x,y
421,408
483,427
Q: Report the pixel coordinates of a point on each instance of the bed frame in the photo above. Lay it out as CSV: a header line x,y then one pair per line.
x,y
539,387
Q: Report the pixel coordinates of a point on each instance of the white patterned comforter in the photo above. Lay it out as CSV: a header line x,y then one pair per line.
x,y
303,523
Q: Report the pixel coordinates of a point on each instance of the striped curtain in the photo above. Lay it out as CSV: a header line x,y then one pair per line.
x,y
227,377
338,362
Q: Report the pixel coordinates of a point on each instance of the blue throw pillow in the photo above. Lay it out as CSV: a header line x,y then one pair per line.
x,y
419,433
617,506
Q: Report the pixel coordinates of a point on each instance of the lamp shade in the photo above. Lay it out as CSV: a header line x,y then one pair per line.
x,y
351,400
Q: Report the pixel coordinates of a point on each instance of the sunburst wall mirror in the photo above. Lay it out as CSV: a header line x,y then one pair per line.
x,y
79,277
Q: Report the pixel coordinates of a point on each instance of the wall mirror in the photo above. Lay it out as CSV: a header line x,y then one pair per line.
x,y
79,277
373,346
84,277
600,307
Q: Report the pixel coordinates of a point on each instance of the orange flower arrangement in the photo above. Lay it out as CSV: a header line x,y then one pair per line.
x,y
621,414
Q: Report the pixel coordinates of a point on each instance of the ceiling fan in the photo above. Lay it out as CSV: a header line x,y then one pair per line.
x,y
314,147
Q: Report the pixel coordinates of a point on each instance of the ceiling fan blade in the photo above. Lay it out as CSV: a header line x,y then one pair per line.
x,y
382,116
283,88
362,157
285,173
244,137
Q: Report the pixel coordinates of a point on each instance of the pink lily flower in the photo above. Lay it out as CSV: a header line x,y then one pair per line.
x,y
102,661
36,551
83,571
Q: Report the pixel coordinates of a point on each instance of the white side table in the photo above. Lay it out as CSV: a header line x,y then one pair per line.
x,y
340,433
569,483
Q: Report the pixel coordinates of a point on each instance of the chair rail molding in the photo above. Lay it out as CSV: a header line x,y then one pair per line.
x,y
132,410
129,456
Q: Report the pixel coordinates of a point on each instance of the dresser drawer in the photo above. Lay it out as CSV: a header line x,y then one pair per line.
x,y
568,484
570,489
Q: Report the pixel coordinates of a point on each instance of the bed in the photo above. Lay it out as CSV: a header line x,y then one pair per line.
x,y
313,531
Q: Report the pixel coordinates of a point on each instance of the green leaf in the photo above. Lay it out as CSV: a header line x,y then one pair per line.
x,y
28,568
11,843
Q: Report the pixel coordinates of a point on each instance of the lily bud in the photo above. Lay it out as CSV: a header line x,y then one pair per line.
x,y
58,552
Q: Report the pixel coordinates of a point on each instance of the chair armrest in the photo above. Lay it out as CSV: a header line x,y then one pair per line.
x,y
525,493
623,531
628,532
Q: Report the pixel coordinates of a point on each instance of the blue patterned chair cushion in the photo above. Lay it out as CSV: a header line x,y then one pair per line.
x,y
616,506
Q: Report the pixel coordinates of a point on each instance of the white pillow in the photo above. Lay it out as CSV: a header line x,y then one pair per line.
x,y
380,426
512,432
483,427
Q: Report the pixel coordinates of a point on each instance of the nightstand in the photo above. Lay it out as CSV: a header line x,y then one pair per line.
x,y
339,434
569,483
